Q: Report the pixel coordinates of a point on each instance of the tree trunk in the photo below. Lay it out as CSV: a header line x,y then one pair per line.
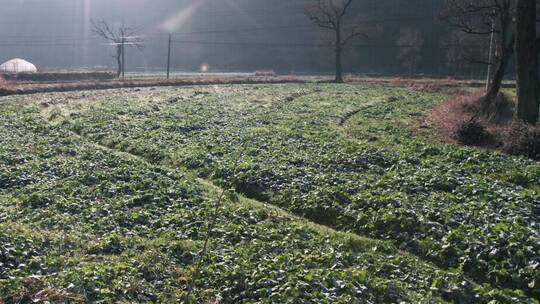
x,y
502,65
507,39
526,62
339,51
339,66
118,58
498,77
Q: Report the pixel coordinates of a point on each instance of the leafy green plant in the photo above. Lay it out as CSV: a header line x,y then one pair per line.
x,y
464,210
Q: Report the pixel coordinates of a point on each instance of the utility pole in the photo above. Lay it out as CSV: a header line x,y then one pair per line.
x,y
490,61
123,58
169,57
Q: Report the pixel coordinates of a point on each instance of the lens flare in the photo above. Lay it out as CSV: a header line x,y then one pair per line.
x,y
205,67
176,21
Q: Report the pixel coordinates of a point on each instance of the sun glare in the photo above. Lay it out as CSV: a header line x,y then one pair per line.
x,y
204,67
176,21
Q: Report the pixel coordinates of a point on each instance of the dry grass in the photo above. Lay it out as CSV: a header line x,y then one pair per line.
x,y
443,86
446,86
446,117
102,85
60,76
521,139
429,85
265,73
473,106
469,119
6,84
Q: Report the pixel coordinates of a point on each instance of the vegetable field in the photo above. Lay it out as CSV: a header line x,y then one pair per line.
x,y
333,195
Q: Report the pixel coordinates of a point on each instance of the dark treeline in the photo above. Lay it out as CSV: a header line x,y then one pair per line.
x,y
404,37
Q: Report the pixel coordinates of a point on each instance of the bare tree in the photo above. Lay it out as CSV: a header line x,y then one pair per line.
x,y
119,37
527,61
330,14
461,48
486,18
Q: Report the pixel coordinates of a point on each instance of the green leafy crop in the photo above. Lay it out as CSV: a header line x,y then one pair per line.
x,y
100,199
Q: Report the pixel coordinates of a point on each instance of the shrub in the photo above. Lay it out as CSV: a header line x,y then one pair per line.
x,y
472,132
523,139
499,111
472,120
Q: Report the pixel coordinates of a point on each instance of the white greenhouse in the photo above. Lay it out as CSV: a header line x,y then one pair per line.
x,y
17,65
